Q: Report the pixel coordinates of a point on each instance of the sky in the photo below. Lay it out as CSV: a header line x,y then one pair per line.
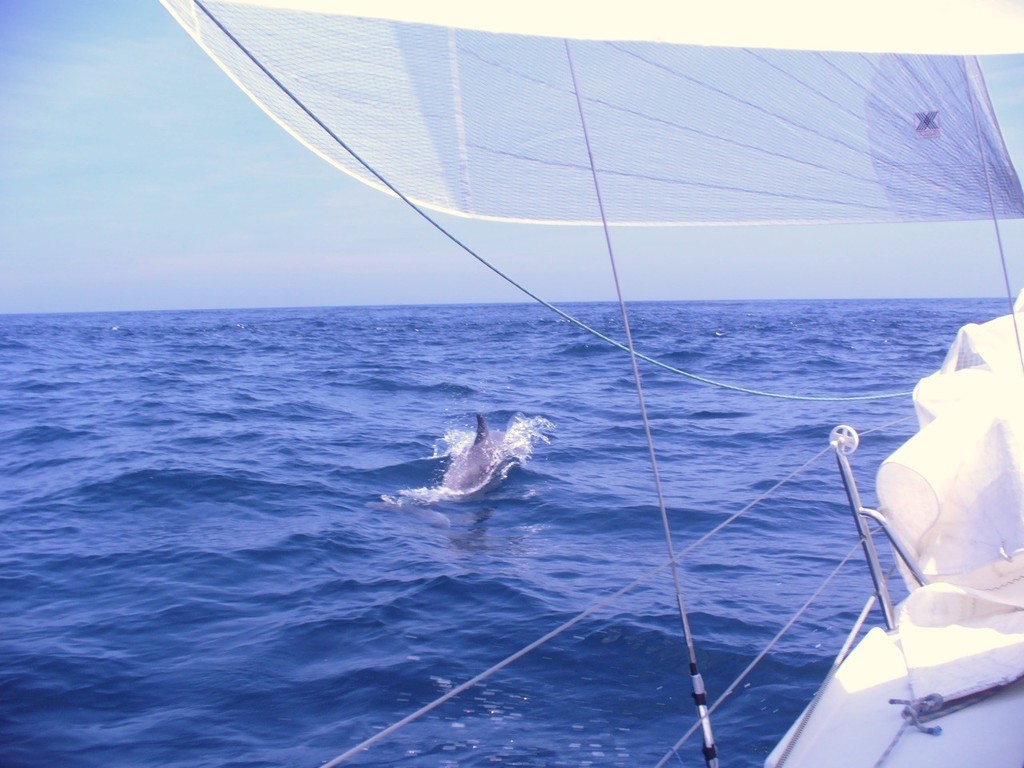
x,y
135,176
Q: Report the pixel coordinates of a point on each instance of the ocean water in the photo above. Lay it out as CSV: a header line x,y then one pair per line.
x,y
225,538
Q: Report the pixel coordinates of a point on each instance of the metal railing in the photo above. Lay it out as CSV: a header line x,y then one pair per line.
x,y
845,441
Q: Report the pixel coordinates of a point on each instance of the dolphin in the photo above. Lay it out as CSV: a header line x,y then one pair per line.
x,y
480,467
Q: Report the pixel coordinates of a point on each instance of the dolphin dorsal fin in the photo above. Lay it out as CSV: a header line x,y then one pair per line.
x,y
481,428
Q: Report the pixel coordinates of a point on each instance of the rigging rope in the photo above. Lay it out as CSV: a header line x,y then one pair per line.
x,y
794,735
507,278
696,680
912,714
427,708
887,425
676,558
757,659
995,217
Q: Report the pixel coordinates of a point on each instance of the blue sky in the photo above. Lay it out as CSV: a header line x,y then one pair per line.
x,y
135,175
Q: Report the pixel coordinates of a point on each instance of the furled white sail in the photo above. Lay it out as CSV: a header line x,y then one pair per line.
x,y
486,124
954,495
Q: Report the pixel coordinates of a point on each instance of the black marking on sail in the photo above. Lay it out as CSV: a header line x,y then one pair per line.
x,y
927,124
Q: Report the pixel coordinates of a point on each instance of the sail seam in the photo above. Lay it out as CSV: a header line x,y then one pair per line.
x,y
459,118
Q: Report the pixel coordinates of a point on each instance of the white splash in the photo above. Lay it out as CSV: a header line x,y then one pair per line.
x,y
508,449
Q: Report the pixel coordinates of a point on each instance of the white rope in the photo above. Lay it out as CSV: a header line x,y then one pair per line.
x,y
427,708
887,425
691,651
490,670
992,206
757,659
840,657
736,515
678,556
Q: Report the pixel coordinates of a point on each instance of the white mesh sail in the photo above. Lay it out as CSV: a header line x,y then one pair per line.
x,y
486,125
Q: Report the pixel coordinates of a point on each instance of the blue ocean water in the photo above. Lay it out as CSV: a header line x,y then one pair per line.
x,y
219,544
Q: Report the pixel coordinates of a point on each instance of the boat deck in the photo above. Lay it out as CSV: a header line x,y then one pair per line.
x,y
853,723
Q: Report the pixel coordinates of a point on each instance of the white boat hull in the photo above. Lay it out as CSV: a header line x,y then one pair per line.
x,y
851,724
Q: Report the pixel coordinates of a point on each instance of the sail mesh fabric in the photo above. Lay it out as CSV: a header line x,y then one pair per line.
x,y
486,125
